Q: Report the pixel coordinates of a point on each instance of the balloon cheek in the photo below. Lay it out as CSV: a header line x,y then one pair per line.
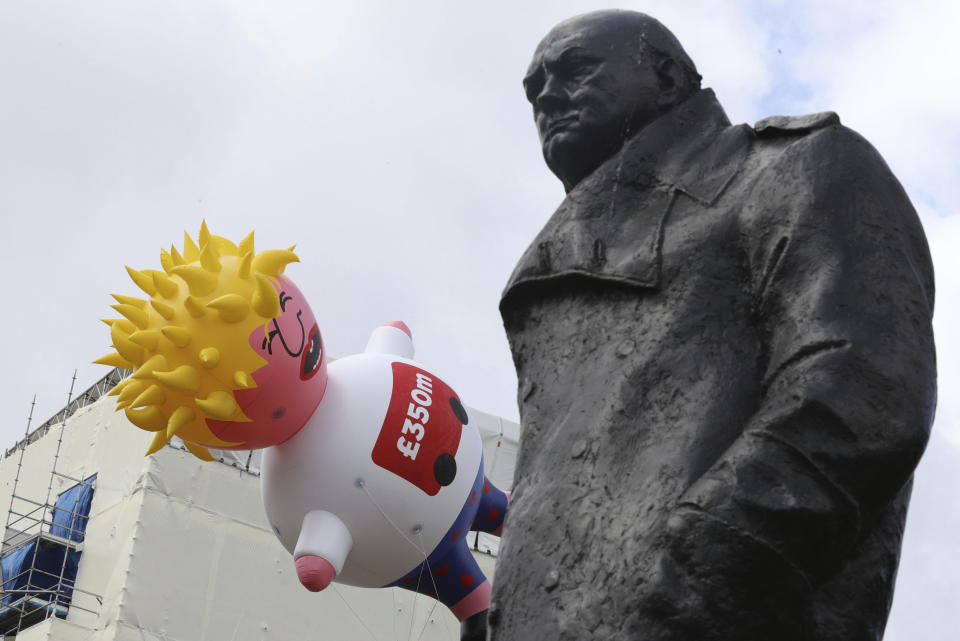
x,y
290,384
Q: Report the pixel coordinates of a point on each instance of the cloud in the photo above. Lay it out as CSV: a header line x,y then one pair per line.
x,y
393,144
943,234
928,581
889,68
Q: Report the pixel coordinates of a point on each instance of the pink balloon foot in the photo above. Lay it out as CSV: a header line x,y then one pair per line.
x,y
401,326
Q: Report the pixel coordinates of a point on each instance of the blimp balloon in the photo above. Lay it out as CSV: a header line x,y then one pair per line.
x,y
372,470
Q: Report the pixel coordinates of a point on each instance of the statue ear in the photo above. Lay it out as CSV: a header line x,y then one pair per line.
x,y
670,78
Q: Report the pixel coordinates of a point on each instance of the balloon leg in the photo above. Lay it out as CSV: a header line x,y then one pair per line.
x,y
491,510
450,574
454,579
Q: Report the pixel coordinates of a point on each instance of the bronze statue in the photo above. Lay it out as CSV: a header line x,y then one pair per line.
x,y
725,359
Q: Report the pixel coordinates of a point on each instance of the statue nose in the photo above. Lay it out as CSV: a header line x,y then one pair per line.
x,y
551,96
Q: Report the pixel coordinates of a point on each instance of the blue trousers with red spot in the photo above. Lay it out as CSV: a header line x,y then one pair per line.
x,y
450,572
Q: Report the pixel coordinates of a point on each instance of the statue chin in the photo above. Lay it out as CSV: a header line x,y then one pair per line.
x,y
568,160
571,160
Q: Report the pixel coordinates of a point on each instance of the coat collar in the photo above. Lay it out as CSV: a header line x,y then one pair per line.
x,y
610,224
690,148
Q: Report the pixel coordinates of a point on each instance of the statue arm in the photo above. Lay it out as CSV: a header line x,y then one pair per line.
x,y
843,292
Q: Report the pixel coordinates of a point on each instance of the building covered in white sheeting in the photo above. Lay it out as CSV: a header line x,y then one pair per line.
x,y
103,543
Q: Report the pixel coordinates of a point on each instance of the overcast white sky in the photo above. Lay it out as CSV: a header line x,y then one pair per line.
x,y
391,142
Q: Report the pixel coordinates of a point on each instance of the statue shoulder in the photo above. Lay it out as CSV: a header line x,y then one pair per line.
x,y
778,126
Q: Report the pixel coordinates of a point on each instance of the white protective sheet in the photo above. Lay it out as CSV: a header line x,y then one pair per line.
x,y
179,549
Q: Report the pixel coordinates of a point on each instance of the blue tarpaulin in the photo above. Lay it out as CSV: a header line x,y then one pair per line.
x,y
24,573
12,566
44,569
72,510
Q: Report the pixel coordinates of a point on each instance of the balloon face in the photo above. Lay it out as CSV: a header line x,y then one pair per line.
x,y
291,383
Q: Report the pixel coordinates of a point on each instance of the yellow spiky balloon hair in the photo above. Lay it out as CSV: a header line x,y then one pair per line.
x,y
188,342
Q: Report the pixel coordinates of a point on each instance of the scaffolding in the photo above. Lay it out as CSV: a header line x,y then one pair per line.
x,y
43,540
47,533
87,397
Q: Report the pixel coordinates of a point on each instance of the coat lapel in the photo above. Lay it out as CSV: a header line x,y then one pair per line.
x,y
610,225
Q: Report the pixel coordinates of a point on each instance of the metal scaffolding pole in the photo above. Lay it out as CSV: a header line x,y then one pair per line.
x,y
33,601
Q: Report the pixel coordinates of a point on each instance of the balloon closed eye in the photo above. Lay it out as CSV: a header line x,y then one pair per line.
x,y
313,355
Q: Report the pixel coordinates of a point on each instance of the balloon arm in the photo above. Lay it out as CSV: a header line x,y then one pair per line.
x,y
391,338
324,535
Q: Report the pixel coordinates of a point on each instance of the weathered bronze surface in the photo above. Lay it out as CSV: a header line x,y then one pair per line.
x,y
725,359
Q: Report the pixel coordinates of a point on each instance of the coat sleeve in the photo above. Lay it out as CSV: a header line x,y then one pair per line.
x,y
842,289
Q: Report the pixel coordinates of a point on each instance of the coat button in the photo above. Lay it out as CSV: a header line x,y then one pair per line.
x,y
599,257
550,580
526,390
579,447
626,347
543,255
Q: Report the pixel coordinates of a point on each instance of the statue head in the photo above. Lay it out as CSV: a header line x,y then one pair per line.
x,y
597,79
225,351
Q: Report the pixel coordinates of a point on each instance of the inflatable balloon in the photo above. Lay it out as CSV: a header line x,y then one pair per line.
x,y
372,472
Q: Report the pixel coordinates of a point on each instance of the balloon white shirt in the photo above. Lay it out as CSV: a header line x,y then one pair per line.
x,y
380,471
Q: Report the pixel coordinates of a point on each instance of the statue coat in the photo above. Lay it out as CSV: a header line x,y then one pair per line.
x,y
726,378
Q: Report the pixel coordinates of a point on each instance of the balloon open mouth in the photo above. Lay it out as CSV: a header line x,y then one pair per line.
x,y
312,355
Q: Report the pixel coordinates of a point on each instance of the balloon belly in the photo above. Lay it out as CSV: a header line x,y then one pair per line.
x,y
390,451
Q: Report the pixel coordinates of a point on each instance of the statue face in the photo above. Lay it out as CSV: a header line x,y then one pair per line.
x,y
591,88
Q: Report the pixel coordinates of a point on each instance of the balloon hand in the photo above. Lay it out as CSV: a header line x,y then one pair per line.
x,y
314,572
